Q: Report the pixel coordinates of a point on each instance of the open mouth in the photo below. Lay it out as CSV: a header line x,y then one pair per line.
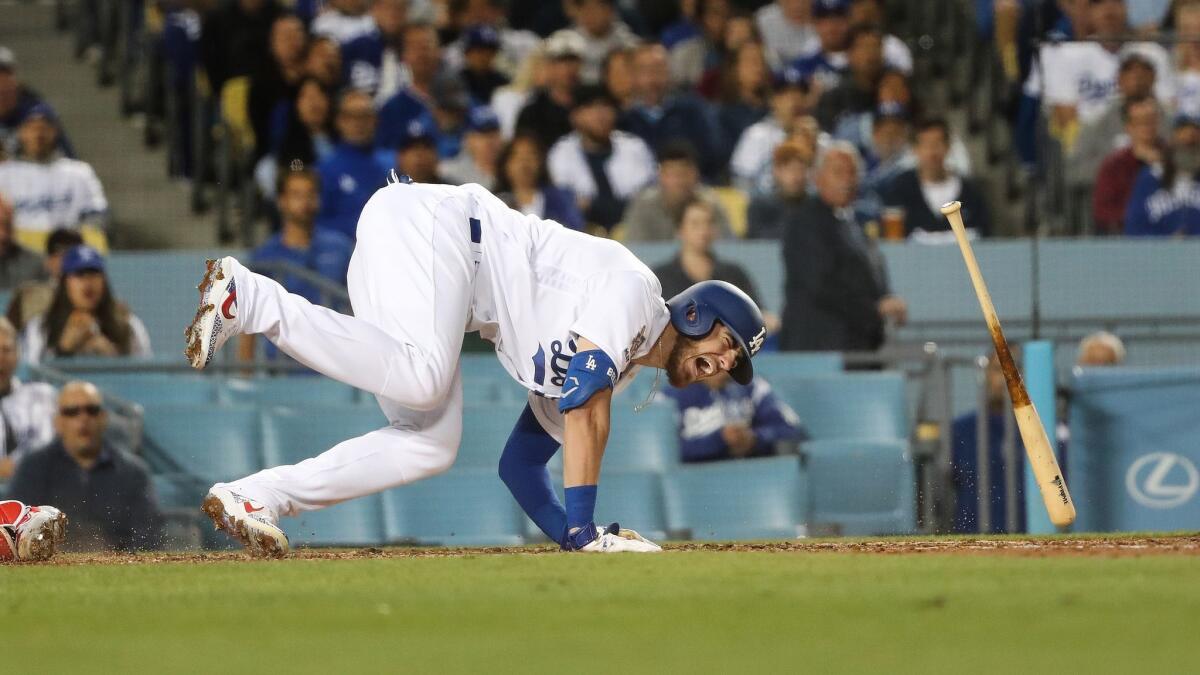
x,y
705,366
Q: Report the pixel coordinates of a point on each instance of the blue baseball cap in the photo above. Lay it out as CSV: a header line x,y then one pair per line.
x,y
482,36
417,131
823,8
81,259
42,110
481,119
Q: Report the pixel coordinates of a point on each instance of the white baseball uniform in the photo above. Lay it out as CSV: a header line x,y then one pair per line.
x,y
63,192
431,263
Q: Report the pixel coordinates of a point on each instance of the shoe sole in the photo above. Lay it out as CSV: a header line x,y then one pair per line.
x,y
258,544
45,545
203,324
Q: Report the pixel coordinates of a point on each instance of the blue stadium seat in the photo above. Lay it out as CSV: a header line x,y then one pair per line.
x,y
295,433
780,365
358,522
298,389
862,487
178,491
463,507
485,431
156,388
486,382
633,499
212,444
855,405
743,499
645,441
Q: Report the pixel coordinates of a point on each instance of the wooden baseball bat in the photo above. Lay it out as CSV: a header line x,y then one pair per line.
x,y
1037,444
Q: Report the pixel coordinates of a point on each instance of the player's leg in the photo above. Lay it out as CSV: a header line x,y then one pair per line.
x,y
410,282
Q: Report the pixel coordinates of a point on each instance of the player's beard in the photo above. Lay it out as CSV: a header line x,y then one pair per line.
x,y
675,373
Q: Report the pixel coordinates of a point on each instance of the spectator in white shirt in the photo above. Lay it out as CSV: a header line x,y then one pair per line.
x,y
751,162
47,190
602,166
596,21
344,21
26,409
786,30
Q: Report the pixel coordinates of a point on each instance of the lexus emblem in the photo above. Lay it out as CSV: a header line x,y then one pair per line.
x,y
1162,480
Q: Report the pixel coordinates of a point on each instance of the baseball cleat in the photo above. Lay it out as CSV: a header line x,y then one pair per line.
x,y
246,520
216,319
614,539
39,533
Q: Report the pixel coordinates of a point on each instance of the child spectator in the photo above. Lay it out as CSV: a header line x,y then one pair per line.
x,y
770,214
653,215
476,163
524,184
1119,170
720,419
84,318
47,190
603,167
302,244
353,171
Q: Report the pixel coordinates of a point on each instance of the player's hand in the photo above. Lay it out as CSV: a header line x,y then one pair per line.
x,y
612,539
740,439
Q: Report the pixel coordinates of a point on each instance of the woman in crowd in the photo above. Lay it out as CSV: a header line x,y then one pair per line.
x,y
84,318
524,184
305,136
746,89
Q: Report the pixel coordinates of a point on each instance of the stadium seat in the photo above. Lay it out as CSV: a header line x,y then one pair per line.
x,y
464,507
855,405
645,441
633,499
293,434
211,444
861,487
178,491
358,522
485,431
287,391
776,366
156,388
743,499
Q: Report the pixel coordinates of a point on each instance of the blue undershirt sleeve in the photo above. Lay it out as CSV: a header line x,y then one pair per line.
x,y
523,470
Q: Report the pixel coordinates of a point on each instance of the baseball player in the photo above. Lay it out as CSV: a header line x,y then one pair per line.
x,y
572,317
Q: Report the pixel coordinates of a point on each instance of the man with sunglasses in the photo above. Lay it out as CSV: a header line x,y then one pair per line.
x,y
105,489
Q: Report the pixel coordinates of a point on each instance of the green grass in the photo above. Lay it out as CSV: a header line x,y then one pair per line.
x,y
703,611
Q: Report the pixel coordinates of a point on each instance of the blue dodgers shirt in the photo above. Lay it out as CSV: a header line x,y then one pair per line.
x,y
328,255
349,176
704,412
1155,210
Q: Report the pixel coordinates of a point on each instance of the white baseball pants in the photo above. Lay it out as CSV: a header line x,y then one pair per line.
x,y
410,282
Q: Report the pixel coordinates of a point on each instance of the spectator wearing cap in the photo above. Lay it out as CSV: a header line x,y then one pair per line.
x,y
84,318
835,283
47,190
855,93
353,171
786,27
479,73
1099,137
481,149
524,184
234,37
1166,200
17,263
372,57
417,154
601,31
771,213
548,113
698,57
1119,170
344,21
26,408
824,63
745,90
513,46
658,117
275,81
301,243
16,100
653,215
603,167
751,161
105,488
33,298
922,191
422,58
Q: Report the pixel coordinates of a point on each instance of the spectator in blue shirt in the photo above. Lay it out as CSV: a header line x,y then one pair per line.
x,y
658,117
1166,200
422,56
363,57
301,243
353,171
824,66
720,419
417,155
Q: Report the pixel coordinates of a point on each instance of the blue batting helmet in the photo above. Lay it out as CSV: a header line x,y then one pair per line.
x,y
695,311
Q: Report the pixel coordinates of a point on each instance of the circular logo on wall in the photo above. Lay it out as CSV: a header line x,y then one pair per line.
x,y
1162,480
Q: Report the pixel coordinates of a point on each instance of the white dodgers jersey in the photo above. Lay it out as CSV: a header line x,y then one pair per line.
x,y
45,196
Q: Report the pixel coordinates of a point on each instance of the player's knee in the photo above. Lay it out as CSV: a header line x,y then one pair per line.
x,y
429,391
